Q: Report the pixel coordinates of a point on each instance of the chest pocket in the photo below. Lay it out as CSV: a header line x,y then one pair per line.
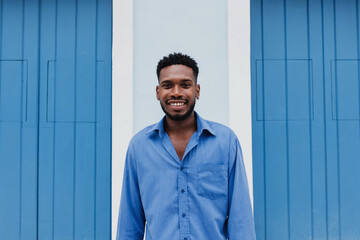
x,y
212,181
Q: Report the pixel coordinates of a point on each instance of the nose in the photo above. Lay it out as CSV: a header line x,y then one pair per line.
x,y
176,92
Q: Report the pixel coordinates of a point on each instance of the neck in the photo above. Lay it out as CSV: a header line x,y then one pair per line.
x,y
188,124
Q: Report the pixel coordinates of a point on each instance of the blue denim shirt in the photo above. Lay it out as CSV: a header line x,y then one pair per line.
x,y
203,197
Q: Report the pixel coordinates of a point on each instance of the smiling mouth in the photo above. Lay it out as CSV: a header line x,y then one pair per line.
x,y
176,104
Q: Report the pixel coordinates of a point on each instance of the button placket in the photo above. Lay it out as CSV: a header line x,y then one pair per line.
x,y
183,204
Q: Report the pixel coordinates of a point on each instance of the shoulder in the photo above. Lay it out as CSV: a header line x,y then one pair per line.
x,y
142,135
221,130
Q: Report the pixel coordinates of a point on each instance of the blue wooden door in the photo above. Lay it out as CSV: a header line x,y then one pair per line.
x,y
305,109
55,128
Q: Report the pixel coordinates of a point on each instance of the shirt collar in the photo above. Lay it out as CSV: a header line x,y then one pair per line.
x,y
158,127
202,125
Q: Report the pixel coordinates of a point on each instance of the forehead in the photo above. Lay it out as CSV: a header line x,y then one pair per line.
x,y
176,72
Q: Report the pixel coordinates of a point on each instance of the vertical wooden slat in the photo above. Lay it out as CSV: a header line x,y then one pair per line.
x,y
48,53
102,130
299,115
347,117
9,172
317,124
75,147
257,126
1,39
64,124
326,109
275,132
11,136
86,61
46,140
331,132
21,116
85,120
29,119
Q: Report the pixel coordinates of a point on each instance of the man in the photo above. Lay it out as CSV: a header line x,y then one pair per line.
x,y
184,176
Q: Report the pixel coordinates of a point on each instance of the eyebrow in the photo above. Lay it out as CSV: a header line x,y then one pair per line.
x,y
186,80
165,81
170,81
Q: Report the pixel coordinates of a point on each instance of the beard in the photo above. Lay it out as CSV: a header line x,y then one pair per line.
x,y
179,117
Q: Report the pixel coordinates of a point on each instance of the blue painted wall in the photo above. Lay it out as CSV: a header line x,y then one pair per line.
x,y
55,119
305,111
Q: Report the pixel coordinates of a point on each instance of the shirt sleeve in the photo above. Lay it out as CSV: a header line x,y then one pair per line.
x,y
240,217
131,222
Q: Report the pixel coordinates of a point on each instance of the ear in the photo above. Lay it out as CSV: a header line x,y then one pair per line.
x,y
157,92
197,91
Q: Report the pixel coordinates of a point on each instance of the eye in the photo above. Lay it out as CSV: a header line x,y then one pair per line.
x,y
186,85
166,85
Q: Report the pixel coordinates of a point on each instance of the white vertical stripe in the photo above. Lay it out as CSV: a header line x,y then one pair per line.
x,y
239,78
122,96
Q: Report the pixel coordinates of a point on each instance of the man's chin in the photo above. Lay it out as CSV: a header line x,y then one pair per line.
x,y
179,117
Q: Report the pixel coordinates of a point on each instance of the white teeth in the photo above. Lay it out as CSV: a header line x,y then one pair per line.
x,y
176,104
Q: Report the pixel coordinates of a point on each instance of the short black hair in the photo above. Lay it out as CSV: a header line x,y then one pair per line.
x,y
177,58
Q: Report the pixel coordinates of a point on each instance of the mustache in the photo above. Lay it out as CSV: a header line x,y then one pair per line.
x,y
177,98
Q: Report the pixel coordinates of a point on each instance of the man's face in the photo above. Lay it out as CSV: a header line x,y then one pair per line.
x,y
177,91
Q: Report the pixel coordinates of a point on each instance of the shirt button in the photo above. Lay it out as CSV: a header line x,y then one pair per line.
x,y
182,190
181,168
183,215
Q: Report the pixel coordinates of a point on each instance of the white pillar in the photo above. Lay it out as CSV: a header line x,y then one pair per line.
x,y
239,78
122,96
